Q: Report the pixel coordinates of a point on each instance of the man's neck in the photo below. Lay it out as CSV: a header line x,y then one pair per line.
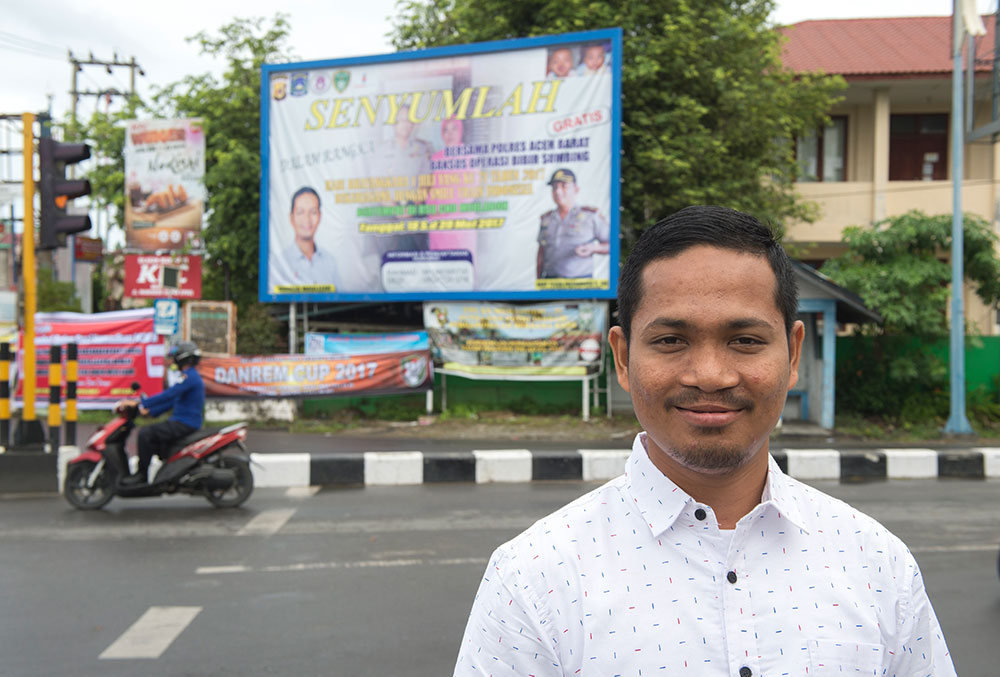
x,y
563,212
307,247
731,495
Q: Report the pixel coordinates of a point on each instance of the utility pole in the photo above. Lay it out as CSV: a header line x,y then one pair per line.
x,y
77,67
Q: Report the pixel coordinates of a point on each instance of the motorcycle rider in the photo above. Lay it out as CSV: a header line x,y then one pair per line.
x,y
186,398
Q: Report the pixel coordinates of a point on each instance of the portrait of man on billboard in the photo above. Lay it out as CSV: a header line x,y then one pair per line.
x,y
303,262
570,235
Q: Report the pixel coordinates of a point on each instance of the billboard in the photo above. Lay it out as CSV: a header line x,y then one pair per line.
x,y
154,276
484,171
164,192
114,349
564,339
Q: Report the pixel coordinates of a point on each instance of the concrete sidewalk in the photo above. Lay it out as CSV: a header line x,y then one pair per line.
x,y
39,472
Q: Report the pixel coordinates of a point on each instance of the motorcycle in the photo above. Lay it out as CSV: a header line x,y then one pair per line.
x,y
210,463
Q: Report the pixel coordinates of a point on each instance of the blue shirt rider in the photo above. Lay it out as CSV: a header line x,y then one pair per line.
x,y
186,398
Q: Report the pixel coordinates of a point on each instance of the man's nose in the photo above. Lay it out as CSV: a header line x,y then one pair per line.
x,y
709,368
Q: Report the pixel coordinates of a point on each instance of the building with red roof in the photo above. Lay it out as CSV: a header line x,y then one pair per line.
x,y
888,147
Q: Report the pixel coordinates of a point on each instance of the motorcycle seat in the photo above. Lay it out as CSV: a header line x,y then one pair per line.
x,y
193,437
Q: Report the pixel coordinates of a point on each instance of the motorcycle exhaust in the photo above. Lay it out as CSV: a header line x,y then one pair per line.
x,y
212,479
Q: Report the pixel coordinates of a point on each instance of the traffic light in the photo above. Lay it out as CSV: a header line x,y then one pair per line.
x,y
56,190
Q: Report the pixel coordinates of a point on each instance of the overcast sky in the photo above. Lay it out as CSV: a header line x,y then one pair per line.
x,y
35,37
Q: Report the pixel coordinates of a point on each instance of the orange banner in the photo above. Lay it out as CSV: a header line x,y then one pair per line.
x,y
316,375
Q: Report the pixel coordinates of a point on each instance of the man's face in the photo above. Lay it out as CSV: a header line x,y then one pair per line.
x,y
403,127
305,216
594,57
709,362
561,62
451,133
564,194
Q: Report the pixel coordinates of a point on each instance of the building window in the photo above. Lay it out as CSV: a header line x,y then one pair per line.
x,y
822,155
918,147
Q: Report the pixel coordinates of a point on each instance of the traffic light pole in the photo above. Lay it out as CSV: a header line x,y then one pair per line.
x,y
28,432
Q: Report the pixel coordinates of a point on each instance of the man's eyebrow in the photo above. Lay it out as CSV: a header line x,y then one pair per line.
x,y
684,325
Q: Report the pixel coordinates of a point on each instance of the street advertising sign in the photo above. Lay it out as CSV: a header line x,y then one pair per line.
x,y
484,171
166,317
211,325
164,189
393,372
88,248
535,339
114,349
163,276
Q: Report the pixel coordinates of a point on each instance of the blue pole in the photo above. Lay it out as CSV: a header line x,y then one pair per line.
x,y
958,422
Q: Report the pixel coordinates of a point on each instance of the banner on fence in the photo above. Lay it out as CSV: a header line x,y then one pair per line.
x,y
114,349
486,171
534,339
317,375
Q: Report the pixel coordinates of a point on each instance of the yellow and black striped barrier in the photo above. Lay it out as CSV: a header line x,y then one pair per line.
x,y
5,358
55,393
71,375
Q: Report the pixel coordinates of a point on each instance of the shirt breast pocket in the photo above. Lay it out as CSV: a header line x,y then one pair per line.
x,y
833,657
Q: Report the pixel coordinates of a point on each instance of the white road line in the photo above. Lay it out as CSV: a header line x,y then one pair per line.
x,y
362,564
302,492
267,522
231,569
971,547
150,636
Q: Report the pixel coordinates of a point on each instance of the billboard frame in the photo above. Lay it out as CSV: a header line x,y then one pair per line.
x,y
614,35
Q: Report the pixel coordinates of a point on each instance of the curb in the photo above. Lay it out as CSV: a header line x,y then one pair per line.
x,y
30,472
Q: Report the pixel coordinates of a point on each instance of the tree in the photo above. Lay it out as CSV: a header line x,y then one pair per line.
x,y
900,268
230,108
708,110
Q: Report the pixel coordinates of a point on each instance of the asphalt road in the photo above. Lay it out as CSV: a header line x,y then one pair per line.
x,y
373,581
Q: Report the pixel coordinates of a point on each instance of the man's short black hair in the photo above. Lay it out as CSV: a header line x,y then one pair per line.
x,y
302,191
705,225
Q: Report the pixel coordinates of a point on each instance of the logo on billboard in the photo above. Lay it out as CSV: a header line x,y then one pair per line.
x,y
279,88
300,84
414,370
341,79
320,82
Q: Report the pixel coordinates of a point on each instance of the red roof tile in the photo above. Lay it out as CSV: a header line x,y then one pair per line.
x,y
893,46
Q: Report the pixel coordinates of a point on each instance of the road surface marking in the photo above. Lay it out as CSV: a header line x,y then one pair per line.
x,y
361,564
150,636
302,492
970,547
267,522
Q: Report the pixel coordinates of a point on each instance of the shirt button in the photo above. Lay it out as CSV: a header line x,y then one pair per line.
x,y
746,672
700,514
731,577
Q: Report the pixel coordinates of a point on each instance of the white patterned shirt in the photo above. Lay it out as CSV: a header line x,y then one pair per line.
x,y
635,578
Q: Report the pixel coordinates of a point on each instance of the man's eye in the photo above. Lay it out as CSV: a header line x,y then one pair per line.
x,y
748,341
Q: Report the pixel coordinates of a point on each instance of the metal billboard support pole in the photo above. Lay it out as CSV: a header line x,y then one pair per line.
x,y
958,422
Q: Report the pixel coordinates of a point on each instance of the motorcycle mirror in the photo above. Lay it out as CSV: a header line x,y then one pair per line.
x,y
135,386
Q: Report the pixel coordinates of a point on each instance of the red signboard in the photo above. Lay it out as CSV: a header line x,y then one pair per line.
x,y
87,248
113,350
152,276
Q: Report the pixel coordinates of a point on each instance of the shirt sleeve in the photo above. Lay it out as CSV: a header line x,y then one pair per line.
x,y
157,404
922,649
602,228
507,630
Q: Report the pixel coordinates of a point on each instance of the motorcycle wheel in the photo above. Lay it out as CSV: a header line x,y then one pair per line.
x,y
80,495
241,488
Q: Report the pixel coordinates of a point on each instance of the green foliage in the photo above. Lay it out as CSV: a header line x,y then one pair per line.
x,y
258,332
53,295
708,109
230,108
899,268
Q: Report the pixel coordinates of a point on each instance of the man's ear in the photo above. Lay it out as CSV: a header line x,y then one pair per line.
x,y
619,348
795,352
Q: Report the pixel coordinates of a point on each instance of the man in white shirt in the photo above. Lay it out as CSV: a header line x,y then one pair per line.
x,y
704,558
303,263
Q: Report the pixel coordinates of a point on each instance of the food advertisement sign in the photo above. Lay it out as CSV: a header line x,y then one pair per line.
x,y
113,350
484,171
164,189
563,339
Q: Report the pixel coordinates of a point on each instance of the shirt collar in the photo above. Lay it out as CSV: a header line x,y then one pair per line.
x,y
661,502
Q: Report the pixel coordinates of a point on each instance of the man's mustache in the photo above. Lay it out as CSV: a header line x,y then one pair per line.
x,y
695,400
